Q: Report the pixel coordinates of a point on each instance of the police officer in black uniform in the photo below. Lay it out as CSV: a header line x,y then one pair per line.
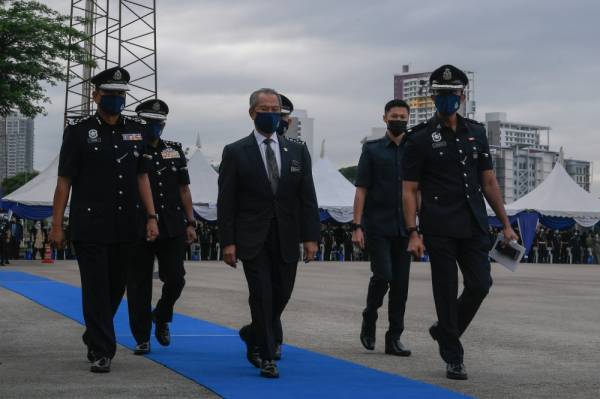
x,y
448,159
170,181
101,162
287,107
378,207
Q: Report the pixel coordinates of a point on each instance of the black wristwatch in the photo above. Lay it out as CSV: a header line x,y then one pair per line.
x,y
410,230
153,216
355,226
192,223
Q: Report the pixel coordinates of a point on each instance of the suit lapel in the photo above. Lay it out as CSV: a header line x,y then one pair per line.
x,y
253,152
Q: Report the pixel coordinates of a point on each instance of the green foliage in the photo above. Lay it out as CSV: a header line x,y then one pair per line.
x,y
13,183
349,173
35,42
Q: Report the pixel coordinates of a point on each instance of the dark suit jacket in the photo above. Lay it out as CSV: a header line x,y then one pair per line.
x,y
246,203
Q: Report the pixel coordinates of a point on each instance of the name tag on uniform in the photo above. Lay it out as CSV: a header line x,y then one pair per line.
x,y
295,168
169,153
132,137
439,145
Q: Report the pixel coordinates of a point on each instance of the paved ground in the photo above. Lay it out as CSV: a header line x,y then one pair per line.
x,y
536,336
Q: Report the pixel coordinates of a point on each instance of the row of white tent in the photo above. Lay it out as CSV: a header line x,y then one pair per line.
x,y
335,194
557,196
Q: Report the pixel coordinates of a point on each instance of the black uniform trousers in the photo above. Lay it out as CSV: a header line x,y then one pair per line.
x,y
103,270
171,271
270,282
3,250
455,314
390,264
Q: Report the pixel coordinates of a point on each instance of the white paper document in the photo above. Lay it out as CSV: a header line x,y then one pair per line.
x,y
508,254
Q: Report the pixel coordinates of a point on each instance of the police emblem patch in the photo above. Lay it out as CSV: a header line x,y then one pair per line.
x,y
117,75
93,134
156,106
447,75
436,137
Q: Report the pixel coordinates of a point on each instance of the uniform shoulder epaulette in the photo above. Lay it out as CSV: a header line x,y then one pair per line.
x,y
77,121
173,143
134,118
295,140
473,121
417,127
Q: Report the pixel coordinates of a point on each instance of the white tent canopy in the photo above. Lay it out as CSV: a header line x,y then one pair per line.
x,y
38,191
335,193
203,184
559,195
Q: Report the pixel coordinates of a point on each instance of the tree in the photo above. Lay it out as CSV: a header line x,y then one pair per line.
x,y
34,43
13,183
349,173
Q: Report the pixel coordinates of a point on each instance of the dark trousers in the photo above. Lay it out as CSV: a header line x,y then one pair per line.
x,y
390,264
103,270
3,251
455,314
270,282
169,252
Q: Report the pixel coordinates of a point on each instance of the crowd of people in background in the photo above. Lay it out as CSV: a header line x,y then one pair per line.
x,y
21,239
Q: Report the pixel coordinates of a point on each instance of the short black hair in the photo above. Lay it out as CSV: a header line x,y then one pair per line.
x,y
396,103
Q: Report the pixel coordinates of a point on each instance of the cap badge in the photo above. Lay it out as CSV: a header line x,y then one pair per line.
x,y
117,75
447,75
93,134
436,137
156,106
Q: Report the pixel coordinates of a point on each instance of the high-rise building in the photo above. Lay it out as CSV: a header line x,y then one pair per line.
x,y
302,127
414,89
502,132
16,145
580,171
520,170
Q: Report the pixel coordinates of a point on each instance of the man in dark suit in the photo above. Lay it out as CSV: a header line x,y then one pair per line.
x,y
266,207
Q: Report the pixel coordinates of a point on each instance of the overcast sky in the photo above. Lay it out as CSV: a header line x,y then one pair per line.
x,y
539,61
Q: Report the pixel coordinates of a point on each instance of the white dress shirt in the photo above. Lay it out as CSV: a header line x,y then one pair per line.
x,y
263,149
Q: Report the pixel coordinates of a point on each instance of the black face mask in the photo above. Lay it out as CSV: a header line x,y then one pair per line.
x,y
397,127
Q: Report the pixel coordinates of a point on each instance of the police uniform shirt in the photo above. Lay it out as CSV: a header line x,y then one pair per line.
x,y
103,162
448,165
380,172
168,171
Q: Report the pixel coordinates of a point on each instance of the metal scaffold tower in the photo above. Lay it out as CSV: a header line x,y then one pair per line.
x,y
118,32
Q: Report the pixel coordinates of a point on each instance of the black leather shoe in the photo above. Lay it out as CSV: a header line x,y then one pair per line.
x,y
456,371
162,333
367,335
434,331
252,350
393,346
91,356
277,351
268,369
101,365
142,349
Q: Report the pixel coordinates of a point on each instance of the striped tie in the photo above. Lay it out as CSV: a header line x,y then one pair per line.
x,y
272,169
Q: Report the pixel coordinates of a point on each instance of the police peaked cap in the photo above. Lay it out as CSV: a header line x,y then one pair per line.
x,y
153,109
112,79
448,77
286,105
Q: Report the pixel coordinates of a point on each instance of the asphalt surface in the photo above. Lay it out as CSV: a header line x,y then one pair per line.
x,y
537,335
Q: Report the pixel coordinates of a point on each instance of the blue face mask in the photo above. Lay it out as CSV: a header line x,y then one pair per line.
x,y
283,127
112,104
447,104
154,130
267,122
